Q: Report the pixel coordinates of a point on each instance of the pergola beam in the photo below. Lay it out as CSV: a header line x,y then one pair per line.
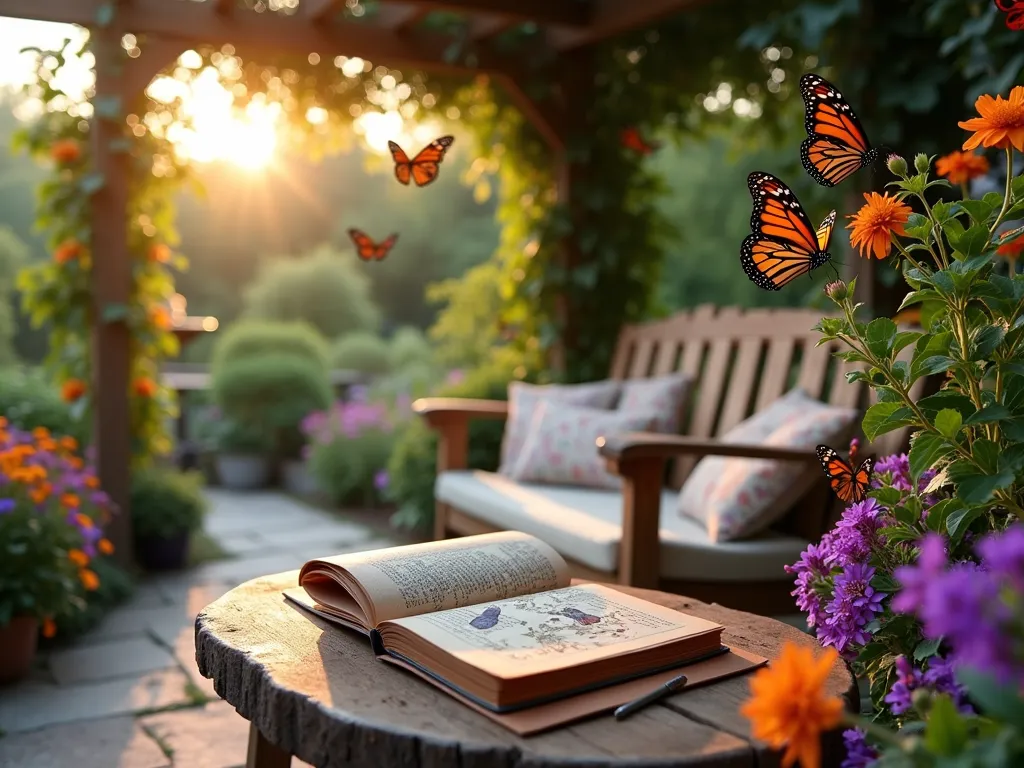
x,y
483,27
558,13
614,17
399,17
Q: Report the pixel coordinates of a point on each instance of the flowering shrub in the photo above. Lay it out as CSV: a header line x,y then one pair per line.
x,y
349,447
51,517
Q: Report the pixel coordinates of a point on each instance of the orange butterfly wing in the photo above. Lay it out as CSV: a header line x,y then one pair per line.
x,y
403,168
836,145
426,164
366,249
851,487
783,244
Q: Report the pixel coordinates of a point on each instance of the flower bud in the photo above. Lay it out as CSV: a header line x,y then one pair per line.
x,y
836,290
922,163
897,165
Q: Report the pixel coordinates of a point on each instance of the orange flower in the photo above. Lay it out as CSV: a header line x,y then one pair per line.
x,y
105,546
41,493
49,627
78,557
67,251
70,501
47,444
961,167
40,433
75,462
789,707
65,151
158,252
72,390
3,422
160,317
89,579
68,443
1001,123
83,520
1012,250
91,481
145,386
874,225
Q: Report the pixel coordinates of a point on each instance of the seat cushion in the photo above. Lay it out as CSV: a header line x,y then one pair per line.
x,y
561,447
586,525
664,395
524,398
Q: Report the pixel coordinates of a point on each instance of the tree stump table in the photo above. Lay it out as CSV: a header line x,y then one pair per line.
x,y
314,690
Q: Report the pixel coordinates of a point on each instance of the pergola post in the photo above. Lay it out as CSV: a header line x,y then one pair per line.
x,y
111,290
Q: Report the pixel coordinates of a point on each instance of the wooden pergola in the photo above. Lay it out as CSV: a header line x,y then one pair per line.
x,y
561,34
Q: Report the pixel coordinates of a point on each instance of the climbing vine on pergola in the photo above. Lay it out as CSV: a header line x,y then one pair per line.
x,y
521,73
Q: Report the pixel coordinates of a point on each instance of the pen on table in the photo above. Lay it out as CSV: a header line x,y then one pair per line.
x,y
662,691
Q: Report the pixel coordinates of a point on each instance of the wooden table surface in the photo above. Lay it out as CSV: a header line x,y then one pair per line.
x,y
316,691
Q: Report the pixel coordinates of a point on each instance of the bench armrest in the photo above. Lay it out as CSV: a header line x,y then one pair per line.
x,y
631,446
437,411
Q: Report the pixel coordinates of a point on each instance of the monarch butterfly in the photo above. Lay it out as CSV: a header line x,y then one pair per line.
x,y
836,145
1011,234
849,485
368,250
1014,10
631,139
783,245
424,167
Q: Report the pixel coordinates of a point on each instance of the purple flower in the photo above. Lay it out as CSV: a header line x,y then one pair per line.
x,y
897,467
810,571
1003,555
381,480
908,680
855,534
915,578
455,376
939,678
357,393
7,506
859,754
854,604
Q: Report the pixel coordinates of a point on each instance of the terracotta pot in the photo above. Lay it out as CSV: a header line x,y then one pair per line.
x,y
18,642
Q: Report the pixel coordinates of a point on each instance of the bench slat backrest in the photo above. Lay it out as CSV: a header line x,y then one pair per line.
x,y
739,361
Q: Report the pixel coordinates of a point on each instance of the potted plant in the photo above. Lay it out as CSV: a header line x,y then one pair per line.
x,y
167,508
242,456
51,512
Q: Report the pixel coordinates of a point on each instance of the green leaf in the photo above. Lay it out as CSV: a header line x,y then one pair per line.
x,y
935,364
113,312
904,339
927,648
948,422
979,489
986,340
988,415
915,297
946,732
880,336
884,417
906,516
995,698
926,450
947,398
938,515
887,496
978,210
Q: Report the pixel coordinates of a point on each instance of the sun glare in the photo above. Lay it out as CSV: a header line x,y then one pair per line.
x,y
378,128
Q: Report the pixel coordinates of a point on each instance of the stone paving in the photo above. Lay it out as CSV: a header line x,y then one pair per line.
x,y
128,694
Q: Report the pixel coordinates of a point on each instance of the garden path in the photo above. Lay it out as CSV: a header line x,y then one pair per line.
x,y
128,694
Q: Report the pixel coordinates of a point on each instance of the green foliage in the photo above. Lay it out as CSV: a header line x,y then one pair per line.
x,y
165,502
256,338
361,351
28,400
345,467
329,291
409,348
465,333
247,439
116,586
13,254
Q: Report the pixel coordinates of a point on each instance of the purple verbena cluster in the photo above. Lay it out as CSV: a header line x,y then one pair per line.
x,y
346,418
859,754
939,678
975,609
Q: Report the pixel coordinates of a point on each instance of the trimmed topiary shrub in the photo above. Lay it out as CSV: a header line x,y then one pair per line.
x,y
361,351
246,339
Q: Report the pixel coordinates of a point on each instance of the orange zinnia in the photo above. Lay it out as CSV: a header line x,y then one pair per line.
x,y
158,252
41,493
875,224
89,579
789,707
1011,250
91,481
66,151
70,501
1001,123
72,390
961,167
145,386
68,443
105,546
83,520
49,627
78,557
67,251
160,317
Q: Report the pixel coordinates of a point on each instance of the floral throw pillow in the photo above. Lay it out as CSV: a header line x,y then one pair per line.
x,y
523,400
561,446
736,497
664,395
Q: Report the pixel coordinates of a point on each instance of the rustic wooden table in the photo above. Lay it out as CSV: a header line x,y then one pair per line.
x,y
315,691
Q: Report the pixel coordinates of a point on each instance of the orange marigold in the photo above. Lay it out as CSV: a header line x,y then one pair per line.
x,y
158,252
78,557
91,481
65,151
40,433
83,520
68,443
89,579
144,386
49,627
105,546
70,500
41,493
789,706
1001,123
72,389
67,251
160,317
961,167
875,224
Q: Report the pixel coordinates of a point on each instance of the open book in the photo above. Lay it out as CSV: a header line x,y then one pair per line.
x,y
495,619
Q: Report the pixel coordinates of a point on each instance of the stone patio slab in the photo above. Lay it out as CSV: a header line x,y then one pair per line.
x,y
107,660
34,705
116,742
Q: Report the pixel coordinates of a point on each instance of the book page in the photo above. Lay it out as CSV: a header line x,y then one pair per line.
x,y
422,578
529,634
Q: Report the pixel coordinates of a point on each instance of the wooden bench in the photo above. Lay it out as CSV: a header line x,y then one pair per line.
x,y
739,362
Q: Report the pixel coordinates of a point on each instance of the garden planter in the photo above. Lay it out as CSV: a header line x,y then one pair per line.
x,y
18,642
157,553
297,479
242,473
